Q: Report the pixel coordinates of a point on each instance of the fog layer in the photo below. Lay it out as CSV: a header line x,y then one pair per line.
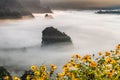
x,y
20,40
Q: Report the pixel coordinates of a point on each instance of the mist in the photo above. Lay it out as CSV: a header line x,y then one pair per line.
x,y
20,40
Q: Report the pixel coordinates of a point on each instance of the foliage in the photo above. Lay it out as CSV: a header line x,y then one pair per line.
x,y
39,73
105,67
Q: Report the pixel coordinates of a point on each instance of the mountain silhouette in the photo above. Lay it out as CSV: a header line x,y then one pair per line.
x,y
13,9
35,6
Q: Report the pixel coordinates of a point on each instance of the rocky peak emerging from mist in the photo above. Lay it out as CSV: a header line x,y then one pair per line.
x,y
13,9
51,35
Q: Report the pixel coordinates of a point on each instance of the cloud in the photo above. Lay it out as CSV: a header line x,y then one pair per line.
x,y
89,32
79,4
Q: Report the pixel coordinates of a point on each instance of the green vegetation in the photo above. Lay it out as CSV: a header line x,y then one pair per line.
x,y
105,67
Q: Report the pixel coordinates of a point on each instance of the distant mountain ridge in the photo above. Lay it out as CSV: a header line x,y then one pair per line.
x,y
13,9
34,6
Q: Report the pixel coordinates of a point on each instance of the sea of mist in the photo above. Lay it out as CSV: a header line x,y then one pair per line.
x,y
20,40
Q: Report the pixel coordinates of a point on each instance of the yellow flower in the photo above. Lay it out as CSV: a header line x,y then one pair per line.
x,y
57,78
77,79
73,55
40,79
110,73
110,60
66,66
33,68
107,53
74,65
116,52
78,56
28,77
118,46
60,75
37,73
6,78
93,64
53,67
15,78
71,75
72,61
100,53
107,67
86,57
43,68
43,75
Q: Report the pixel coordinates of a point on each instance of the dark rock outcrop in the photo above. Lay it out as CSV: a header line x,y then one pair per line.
x,y
4,73
51,35
108,12
12,9
48,16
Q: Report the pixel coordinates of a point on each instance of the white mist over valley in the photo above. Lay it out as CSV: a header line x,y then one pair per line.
x,y
20,40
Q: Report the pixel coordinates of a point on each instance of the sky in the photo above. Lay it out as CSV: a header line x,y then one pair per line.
x,y
78,4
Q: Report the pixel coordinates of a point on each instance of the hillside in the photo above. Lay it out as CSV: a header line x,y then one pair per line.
x,y
13,9
34,6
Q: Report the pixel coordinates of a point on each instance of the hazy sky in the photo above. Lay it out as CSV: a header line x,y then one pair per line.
x,y
80,3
